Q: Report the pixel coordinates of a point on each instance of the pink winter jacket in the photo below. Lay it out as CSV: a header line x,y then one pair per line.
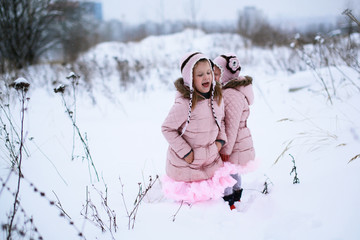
x,y
239,145
200,136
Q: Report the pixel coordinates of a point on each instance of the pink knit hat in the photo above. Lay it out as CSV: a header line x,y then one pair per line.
x,y
229,65
187,64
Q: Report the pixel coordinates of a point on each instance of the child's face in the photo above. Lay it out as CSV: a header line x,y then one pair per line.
x,y
217,73
202,76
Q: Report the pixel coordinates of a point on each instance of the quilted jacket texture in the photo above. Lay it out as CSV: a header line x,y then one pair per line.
x,y
239,145
200,136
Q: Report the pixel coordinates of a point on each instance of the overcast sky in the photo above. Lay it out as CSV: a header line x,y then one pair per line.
x,y
137,11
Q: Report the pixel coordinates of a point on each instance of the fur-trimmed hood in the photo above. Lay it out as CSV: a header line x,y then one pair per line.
x,y
181,88
244,85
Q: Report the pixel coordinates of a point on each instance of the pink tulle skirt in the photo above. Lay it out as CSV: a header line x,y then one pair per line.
x,y
192,192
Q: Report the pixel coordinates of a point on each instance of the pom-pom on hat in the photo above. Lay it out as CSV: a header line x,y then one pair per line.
x,y
187,64
229,65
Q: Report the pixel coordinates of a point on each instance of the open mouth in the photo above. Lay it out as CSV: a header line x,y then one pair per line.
x,y
206,84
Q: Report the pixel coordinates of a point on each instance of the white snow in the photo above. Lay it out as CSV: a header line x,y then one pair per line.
x,y
21,80
291,115
72,75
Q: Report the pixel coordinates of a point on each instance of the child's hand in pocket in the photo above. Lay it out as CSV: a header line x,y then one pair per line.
x,y
218,145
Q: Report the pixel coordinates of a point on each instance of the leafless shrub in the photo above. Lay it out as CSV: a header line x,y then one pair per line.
x,y
124,69
94,215
307,58
87,71
140,196
77,32
253,25
78,39
26,30
329,53
15,144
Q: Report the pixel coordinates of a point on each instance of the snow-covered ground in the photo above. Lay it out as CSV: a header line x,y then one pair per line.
x,y
291,115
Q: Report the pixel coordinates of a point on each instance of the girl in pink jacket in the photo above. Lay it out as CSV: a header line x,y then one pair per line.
x,y
238,96
193,129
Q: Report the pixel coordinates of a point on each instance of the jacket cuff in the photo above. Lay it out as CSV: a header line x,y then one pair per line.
x,y
220,141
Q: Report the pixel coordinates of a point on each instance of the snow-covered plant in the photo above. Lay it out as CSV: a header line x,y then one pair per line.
x,y
21,85
20,224
266,185
328,53
311,61
71,113
293,170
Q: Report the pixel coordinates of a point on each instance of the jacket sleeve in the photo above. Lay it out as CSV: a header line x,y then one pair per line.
x,y
234,106
171,128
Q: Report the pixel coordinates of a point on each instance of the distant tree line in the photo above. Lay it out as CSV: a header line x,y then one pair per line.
x,y
59,30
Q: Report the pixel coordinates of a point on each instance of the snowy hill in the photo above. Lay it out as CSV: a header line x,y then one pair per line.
x,y
131,85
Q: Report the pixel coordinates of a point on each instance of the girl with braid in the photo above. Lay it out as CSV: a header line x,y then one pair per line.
x,y
195,132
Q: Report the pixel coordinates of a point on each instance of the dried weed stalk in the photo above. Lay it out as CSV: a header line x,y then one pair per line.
x,y
140,196
266,185
21,85
355,157
91,213
293,170
71,113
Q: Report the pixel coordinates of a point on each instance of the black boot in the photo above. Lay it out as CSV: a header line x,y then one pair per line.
x,y
237,195
230,200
